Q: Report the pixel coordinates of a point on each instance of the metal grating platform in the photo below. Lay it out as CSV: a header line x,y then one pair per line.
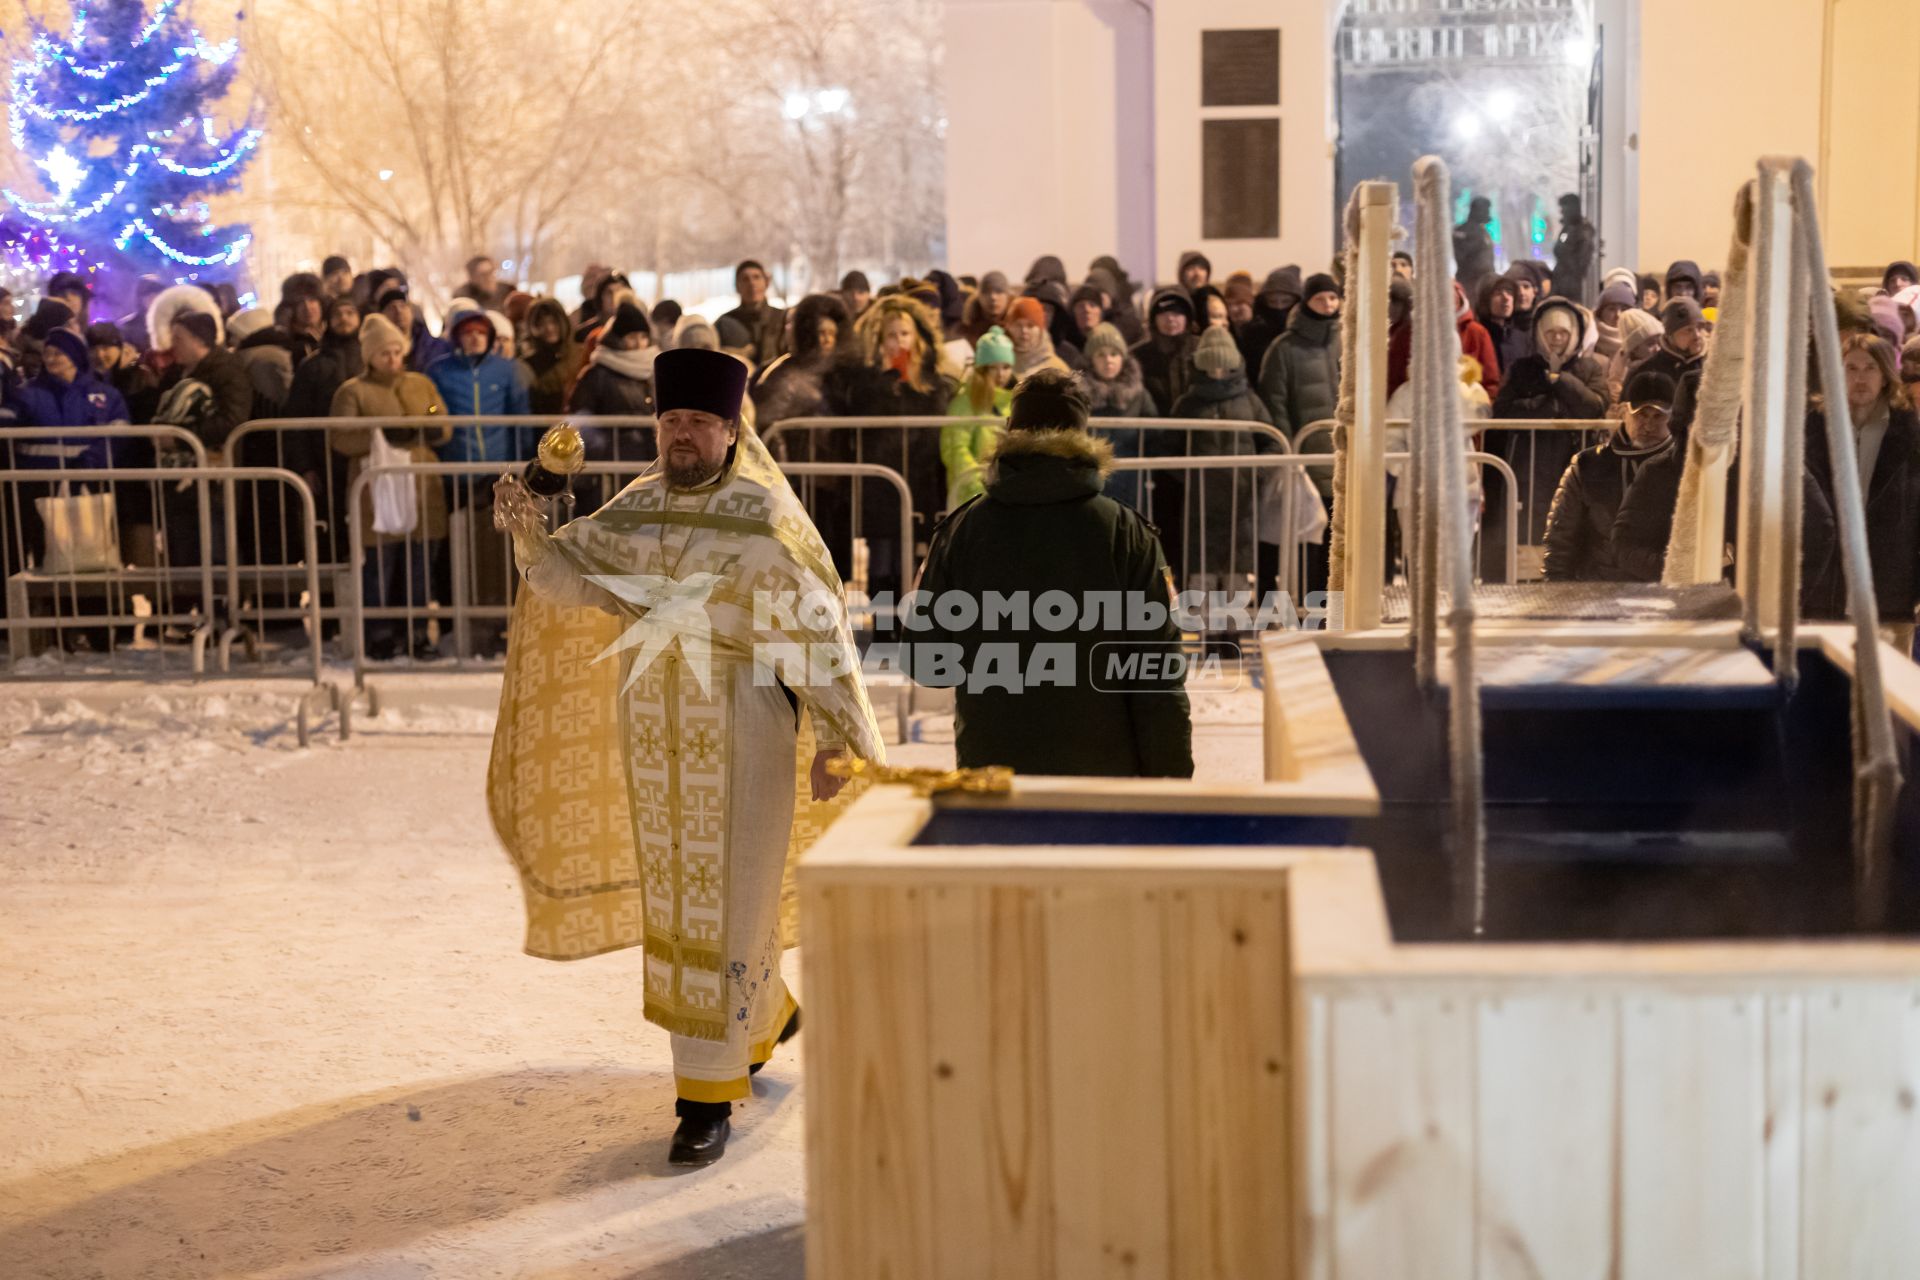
x,y
1585,602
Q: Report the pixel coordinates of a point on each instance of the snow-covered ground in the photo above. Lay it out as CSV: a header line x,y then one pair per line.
x,y
265,1013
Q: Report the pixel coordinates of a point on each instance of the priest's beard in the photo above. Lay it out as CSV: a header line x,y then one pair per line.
x,y
690,475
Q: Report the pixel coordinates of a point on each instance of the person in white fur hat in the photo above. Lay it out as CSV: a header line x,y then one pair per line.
x,y
176,301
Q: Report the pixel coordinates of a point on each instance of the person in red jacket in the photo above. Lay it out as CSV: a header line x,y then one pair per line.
x,y
1475,341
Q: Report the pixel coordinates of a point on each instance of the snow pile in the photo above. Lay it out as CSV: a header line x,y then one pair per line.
x,y
147,738
426,720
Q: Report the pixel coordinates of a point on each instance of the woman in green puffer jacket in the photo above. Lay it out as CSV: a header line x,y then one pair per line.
x,y
987,392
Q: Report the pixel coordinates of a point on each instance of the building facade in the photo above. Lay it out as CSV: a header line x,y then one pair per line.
x,y
1147,127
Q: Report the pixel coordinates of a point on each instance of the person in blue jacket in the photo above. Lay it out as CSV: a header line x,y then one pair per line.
x,y
477,382
65,393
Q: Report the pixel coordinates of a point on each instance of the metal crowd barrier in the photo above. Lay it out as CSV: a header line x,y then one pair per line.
x,y
1539,485
1241,426
537,423
621,428
461,611
13,537
158,431
1602,426
926,474
1290,554
269,564
20,622
874,471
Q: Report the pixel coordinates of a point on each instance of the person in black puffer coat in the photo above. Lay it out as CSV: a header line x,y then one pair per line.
x,y
795,386
1558,381
618,380
1273,306
1043,526
1581,526
1473,247
1497,310
901,372
791,387
1300,374
1216,543
1300,385
1107,276
1166,357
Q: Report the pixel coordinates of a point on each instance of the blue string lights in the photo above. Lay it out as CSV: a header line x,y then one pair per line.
x,y
115,117
29,254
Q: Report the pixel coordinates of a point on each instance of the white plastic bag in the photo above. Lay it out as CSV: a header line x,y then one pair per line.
x,y
1309,511
81,533
396,497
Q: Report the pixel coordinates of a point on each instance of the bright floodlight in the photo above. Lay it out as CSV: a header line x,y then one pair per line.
x,y
831,101
797,106
1578,51
1502,103
1466,126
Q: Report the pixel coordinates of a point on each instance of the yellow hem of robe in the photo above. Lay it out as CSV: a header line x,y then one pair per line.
x,y
691,1090
688,1090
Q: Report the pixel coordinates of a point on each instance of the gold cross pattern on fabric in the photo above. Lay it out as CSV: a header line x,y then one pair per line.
x,y
994,780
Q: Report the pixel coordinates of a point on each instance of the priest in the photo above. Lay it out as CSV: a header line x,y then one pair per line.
x,y
678,676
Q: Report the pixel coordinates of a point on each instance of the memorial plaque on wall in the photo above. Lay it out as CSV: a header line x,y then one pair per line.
x,y
1240,179
1240,68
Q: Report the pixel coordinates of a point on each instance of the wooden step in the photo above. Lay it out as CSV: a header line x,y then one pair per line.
x,y
1571,677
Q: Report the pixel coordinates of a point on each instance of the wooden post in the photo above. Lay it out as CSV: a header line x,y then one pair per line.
x,y
1763,426
1366,495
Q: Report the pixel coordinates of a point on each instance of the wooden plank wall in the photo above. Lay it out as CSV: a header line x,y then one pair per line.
x,y
1081,1076
1586,1132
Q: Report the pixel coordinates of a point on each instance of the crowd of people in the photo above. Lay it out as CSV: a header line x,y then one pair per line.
x,y
339,345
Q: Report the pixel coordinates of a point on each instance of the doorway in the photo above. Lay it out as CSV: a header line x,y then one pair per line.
x,y
1511,98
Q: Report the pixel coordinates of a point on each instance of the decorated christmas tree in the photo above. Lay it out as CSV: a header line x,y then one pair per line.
x,y
116,115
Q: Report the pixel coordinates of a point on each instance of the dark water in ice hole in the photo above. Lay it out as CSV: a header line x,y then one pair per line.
x,y
1611,816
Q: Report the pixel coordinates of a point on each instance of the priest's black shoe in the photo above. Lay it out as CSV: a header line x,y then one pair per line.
x,y
787,1033
703,1132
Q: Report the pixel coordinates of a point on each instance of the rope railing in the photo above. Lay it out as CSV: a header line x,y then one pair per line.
x,y
1446,541
1876,761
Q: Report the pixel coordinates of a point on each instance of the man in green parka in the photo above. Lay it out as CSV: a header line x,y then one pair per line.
x,y
1048,608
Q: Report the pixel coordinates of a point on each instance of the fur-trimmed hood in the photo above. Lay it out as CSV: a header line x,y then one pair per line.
x,y
1029,468
175,301
1586,333
1120,392
871,327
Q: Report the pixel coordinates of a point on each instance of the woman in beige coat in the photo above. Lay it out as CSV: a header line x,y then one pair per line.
x,y
398,567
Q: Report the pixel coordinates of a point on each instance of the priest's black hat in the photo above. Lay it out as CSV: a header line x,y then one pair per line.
x,y
690,378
